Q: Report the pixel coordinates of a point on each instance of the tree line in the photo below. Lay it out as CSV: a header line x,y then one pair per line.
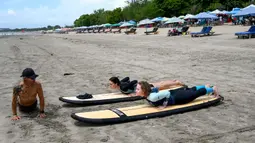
x,y
141,9
49,27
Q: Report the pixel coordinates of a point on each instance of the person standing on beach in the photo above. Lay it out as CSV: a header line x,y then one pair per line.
x,y
25,94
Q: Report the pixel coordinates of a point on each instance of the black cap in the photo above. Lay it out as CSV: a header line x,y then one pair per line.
x,y
29,73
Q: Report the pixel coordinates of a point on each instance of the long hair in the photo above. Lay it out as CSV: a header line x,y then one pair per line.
x,y
146,88
115,80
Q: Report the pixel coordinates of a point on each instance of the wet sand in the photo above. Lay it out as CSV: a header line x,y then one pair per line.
x,y
221,60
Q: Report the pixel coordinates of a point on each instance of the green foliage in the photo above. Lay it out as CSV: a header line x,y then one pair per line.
x,y
138,10
141,9
56,27
49,27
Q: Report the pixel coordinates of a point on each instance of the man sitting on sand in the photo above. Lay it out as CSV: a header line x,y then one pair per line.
x,y
24,95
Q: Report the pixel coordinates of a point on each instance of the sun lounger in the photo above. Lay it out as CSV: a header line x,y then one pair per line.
x,y
90,30
185,30
154,31
102,30
96,31
78,31
133,30
108,31
206,31
249,33
118,31
99,30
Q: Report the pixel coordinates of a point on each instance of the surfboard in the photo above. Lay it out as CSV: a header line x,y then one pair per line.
x,y
105,98
141,112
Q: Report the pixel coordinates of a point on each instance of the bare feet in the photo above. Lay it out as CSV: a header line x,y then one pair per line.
x,y
215,92
179,82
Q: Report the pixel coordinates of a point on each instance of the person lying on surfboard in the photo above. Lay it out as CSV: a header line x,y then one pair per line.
x,y
167,97
24,95
127,87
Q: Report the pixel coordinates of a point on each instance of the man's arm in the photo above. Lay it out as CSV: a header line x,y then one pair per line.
x,y
14,104
41,97
16,90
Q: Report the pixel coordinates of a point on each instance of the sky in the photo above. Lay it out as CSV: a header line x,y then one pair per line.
x,y
41,13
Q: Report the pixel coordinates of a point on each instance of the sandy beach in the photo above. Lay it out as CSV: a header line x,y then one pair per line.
x,y
221,60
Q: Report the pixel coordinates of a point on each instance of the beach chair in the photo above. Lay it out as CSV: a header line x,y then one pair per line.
x,y
77,32
103,30
249,33
99,30
206,31
118,31
209,31
154,31
197,33
108,31
185,30
96,30
90,30
132,30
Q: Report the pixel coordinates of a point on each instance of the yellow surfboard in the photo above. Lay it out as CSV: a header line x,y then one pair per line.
x,y
140,112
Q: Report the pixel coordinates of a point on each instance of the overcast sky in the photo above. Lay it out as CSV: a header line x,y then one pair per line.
x,y
40,13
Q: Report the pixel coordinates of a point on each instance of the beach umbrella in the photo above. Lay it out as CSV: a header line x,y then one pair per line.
x,y
116,25
145,22
249,10
165,19
205,15
83,27
189,16
234,11
94,26
174,20
216,12
225,12
122,22
181,17
132,22
157,19
127,24
107,25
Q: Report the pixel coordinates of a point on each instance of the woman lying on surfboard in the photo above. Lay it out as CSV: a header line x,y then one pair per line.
x,y
167,97
126,86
